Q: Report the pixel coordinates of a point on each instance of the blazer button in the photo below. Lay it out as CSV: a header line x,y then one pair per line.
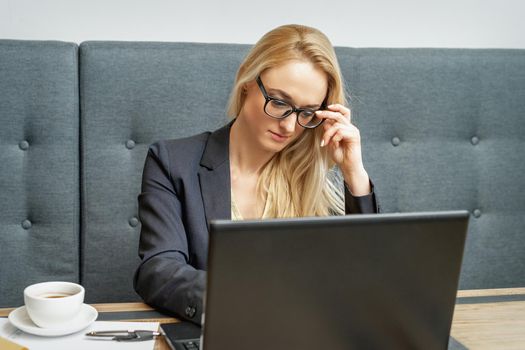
x,y
190,311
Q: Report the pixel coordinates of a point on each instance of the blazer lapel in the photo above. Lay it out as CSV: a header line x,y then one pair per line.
x,y
214,175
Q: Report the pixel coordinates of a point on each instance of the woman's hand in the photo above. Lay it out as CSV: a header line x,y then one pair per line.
x,y
344,147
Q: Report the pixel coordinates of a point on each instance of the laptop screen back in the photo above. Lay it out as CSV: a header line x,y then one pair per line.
x,y
350,282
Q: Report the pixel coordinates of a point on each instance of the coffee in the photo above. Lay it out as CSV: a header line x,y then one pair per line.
x,y
55,295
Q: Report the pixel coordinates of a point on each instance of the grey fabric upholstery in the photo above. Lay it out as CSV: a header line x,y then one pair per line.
x,y
39,183
444,129
133,94
441,129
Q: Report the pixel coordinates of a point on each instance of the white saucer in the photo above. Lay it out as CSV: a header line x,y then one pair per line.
x,y
20,319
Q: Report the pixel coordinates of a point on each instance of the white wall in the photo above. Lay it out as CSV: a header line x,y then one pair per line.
x,y
357,23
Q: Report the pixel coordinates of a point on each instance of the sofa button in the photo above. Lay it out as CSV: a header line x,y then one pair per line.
x,y
474,140
396,141
133,222
24,145
26,224
477,213
190,311
130,144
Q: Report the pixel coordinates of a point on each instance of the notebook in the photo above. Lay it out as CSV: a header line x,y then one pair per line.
x,y
380,281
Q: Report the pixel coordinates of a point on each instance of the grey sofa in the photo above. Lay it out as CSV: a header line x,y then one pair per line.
x,y
441,128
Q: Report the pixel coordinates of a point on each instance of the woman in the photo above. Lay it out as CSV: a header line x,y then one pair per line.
x,y
290,126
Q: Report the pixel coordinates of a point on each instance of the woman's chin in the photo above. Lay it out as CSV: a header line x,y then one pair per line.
x,y
273,147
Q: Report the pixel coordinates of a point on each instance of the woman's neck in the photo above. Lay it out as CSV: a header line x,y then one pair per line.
x,y
245,156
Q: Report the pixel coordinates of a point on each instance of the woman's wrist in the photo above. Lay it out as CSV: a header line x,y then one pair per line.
x,y
357,181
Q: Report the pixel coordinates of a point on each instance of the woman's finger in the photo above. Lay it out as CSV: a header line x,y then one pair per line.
x,y
330,132
335,116
345,111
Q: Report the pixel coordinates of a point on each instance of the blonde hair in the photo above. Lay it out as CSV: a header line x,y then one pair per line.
x,y
295,182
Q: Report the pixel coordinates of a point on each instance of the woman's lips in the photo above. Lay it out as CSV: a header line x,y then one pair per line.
x,y
278,137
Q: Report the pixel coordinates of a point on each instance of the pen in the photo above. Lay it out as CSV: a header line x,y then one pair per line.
x,y
125,335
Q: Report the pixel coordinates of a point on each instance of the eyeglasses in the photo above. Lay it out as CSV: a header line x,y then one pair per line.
x,y
279,109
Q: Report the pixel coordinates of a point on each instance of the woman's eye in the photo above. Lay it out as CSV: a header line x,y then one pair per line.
x,y
280,104
307,114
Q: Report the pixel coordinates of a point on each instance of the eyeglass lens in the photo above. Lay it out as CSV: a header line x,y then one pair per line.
x,y
281,109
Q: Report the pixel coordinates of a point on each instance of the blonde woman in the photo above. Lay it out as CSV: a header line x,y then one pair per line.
x,y
290,126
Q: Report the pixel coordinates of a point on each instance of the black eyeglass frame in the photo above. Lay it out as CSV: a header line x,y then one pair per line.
x,y
294,109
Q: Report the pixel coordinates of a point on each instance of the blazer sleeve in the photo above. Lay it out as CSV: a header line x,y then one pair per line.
x,y
362,204
164,278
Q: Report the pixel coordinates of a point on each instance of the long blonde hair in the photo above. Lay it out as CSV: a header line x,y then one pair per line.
x,y
296,181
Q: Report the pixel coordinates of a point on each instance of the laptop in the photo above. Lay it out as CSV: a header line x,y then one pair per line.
x,y
379,281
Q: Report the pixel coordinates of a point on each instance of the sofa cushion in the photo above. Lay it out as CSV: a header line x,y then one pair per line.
x,y
444,129
39,179
133,94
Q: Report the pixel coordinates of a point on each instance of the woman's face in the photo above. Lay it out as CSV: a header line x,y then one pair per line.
x,y
297,82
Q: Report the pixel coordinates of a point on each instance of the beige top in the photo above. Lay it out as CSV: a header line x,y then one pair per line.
x,y
236,214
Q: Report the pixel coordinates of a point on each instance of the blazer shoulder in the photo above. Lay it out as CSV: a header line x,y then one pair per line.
x,y
207,149
185,146
183,153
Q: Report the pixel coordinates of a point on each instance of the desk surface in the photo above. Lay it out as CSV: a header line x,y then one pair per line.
x,y
483,319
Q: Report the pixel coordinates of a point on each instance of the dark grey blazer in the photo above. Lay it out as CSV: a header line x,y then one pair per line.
x,y
185,184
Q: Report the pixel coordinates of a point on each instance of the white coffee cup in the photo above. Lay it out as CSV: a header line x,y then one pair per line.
x,y
53,304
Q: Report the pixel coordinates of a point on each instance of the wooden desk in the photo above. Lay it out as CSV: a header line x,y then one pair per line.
x,y
490,319
483,319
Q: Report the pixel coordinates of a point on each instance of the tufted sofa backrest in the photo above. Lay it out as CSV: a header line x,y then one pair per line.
x,y
39,162
441,129
133,94
445,129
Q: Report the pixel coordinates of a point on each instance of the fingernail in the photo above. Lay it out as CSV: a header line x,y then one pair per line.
x,y
322,143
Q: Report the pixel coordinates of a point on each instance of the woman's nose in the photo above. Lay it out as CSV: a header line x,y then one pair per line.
x,y
289,123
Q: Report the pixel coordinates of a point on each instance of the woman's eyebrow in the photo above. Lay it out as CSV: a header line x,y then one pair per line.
x,y
285,95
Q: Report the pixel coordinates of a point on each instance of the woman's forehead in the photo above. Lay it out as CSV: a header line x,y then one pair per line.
x,y
301,80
